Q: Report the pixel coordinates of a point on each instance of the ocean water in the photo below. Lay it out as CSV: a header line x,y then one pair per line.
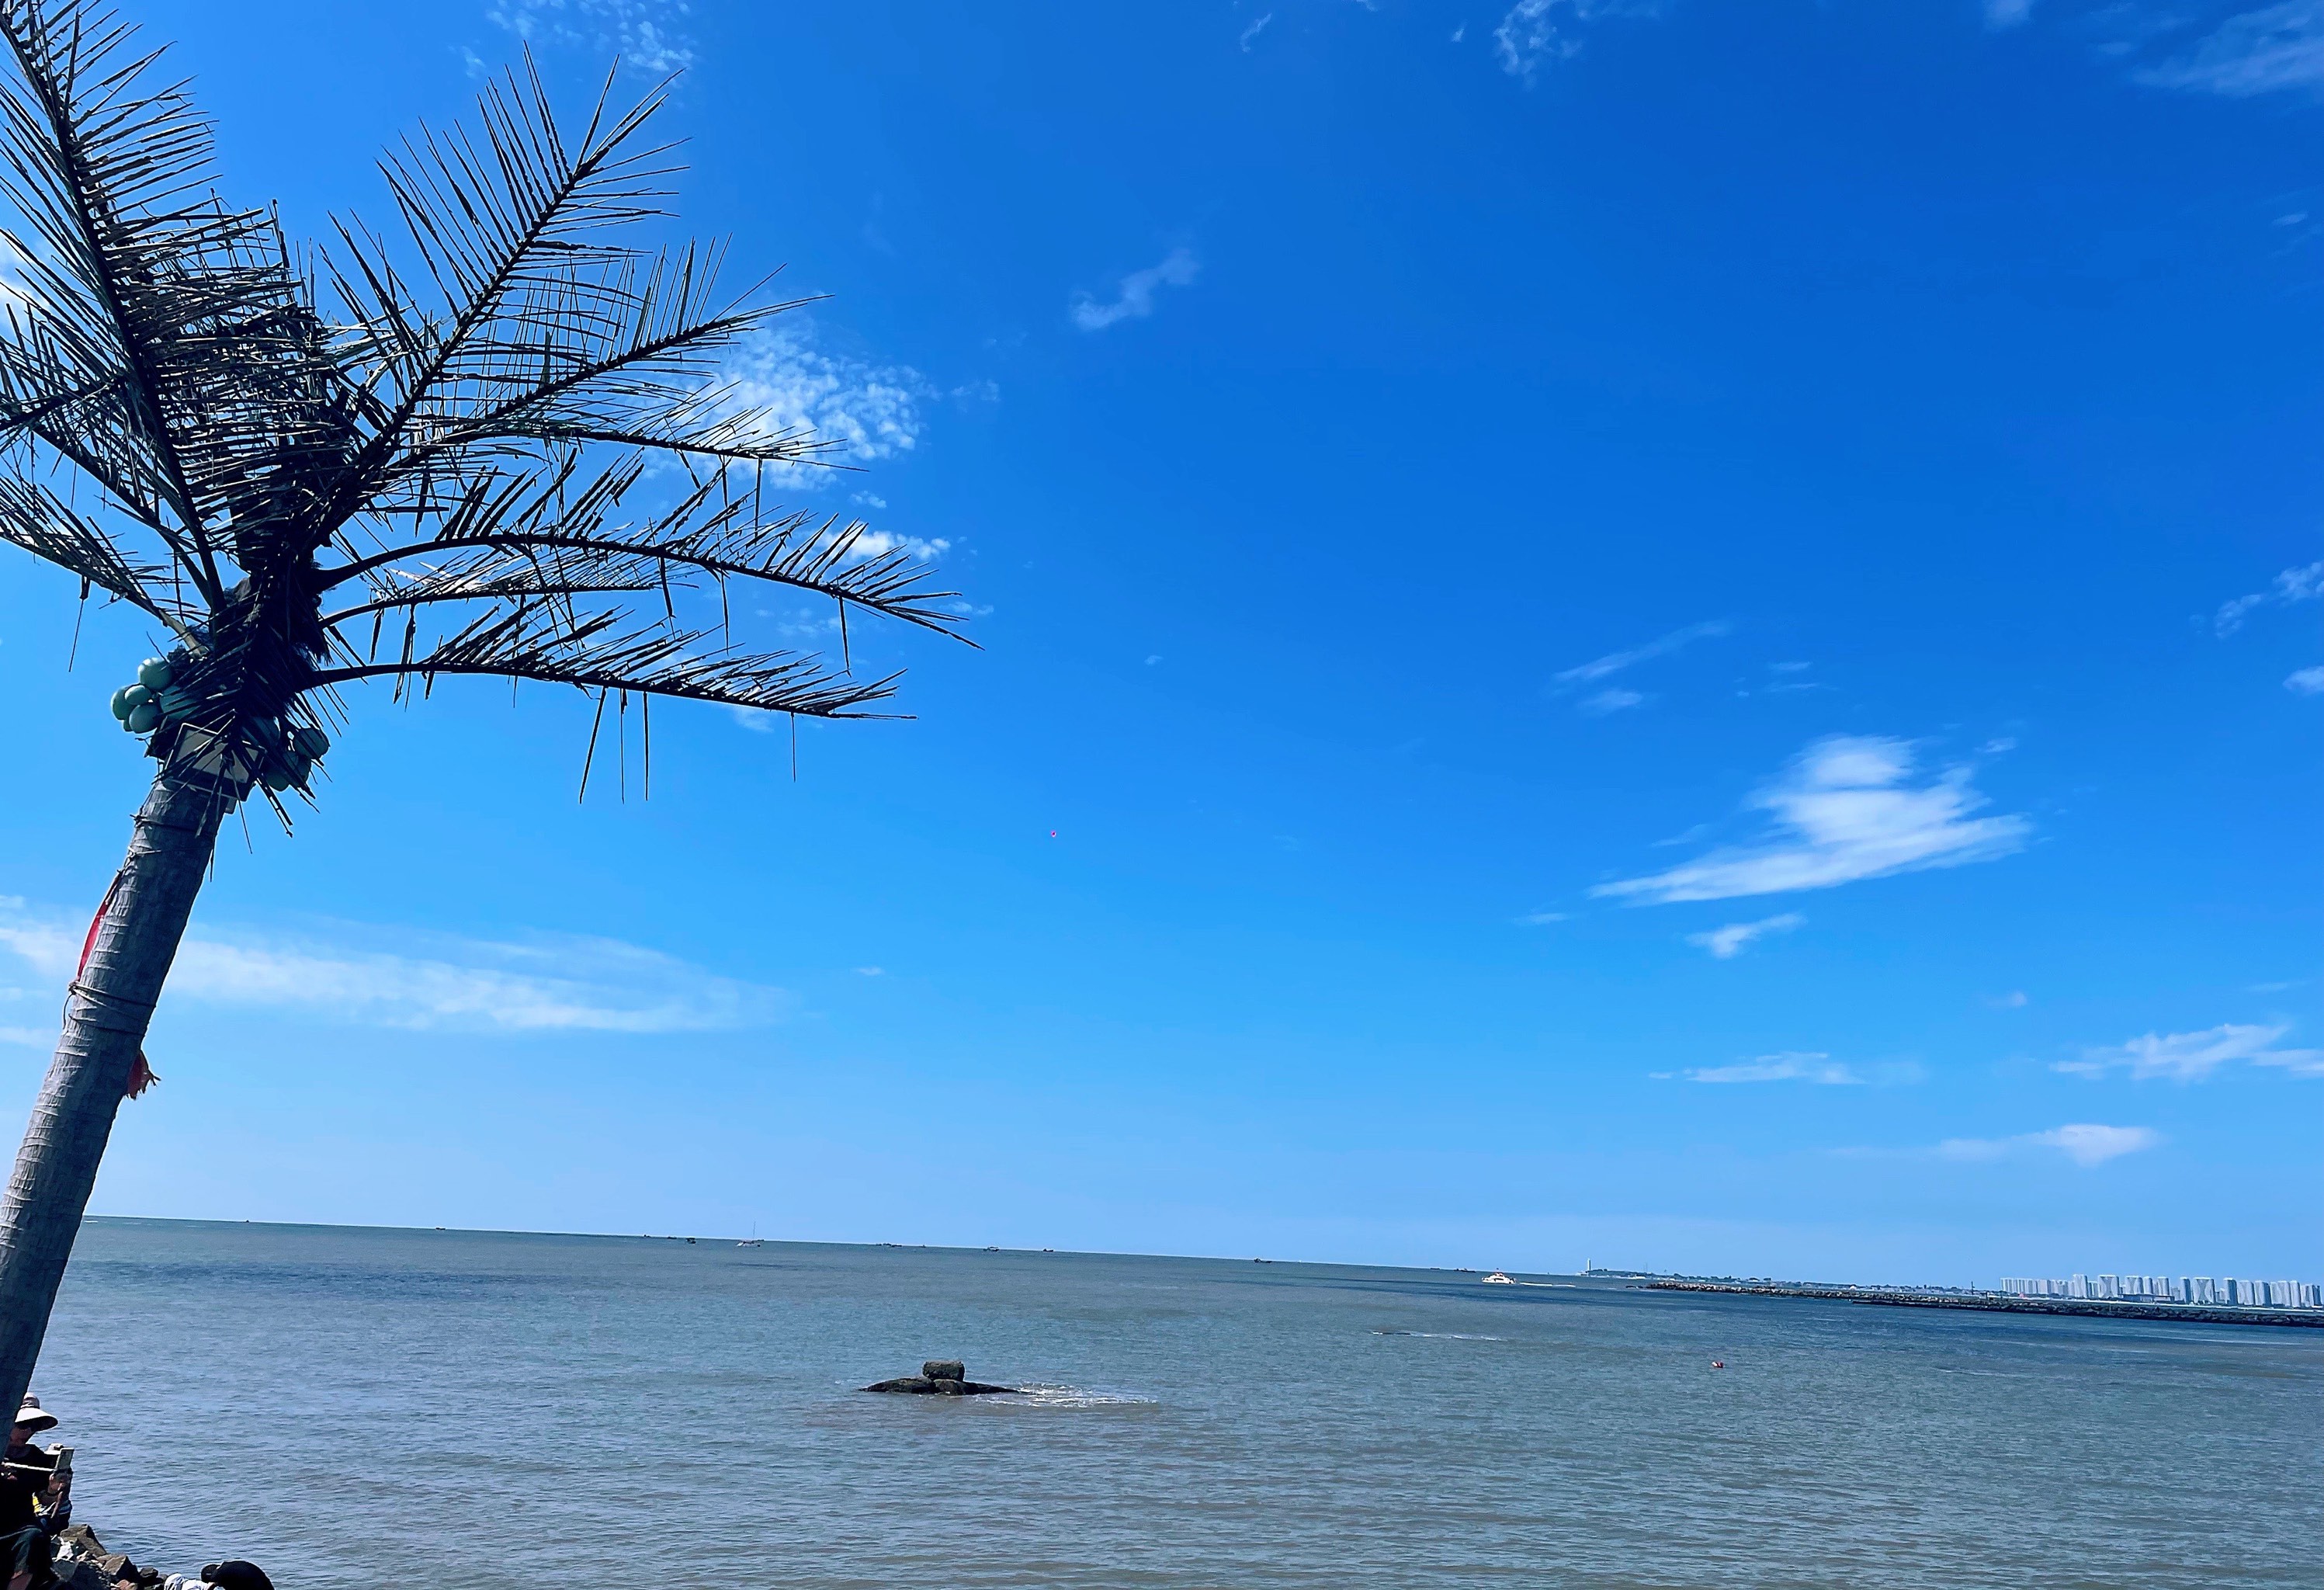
x,y
357,1407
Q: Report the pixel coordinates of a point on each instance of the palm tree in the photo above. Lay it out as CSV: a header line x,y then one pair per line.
x,y
498,448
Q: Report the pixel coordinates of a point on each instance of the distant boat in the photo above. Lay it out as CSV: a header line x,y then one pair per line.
x,y
1497,1280
752,1242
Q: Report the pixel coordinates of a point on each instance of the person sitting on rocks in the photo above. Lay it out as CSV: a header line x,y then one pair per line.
x,y
31,1489
26,1464
35,1503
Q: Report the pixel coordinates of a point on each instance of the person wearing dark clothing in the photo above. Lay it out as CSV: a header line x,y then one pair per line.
x,y
237,1574
29,1492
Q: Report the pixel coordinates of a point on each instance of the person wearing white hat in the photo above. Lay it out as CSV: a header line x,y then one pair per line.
x,y
32,1490
28,1499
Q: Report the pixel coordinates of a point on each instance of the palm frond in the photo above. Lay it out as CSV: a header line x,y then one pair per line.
x,y
595,654
158,337
715,532
33,517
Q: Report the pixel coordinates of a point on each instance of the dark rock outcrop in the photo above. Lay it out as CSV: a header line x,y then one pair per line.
x,y
941,1377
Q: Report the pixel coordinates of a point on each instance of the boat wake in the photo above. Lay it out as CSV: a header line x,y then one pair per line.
x,y
1441,1336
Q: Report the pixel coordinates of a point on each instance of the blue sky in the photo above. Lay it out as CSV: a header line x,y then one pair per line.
x,y
1678,634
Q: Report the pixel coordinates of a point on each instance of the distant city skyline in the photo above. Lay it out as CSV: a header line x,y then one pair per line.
x,y
2186,1289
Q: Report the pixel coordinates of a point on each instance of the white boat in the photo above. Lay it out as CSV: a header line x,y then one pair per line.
x,y
1497,1278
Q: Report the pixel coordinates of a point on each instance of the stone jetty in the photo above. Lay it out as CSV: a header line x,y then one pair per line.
x,y
1999,1303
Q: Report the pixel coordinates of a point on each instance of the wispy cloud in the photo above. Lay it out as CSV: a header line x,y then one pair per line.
x,y
2263,51
2007,14
1540,919
1844,811
647,35
2192,1057
541,983
1253,32
2086,1143
2306,681
1135,299
1613,662
1727,943
2303,584
1536,31
1819,1069
1611,700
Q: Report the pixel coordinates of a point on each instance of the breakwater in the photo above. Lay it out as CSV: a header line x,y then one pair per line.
x,y
1996,1303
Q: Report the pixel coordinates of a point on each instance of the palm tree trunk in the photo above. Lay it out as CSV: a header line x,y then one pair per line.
x,y
106,1016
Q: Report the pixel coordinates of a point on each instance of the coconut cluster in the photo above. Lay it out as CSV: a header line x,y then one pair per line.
x,y
158,700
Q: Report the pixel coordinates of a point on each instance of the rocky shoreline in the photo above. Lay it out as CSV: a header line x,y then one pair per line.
x,y
81,1562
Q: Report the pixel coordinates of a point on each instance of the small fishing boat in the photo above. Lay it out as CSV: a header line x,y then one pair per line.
x,y
1497,1278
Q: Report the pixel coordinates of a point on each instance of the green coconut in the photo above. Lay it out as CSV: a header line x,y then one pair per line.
x,y
154,672
313,742
142,718
122,701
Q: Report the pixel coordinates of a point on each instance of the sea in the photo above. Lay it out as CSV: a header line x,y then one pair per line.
x,y
360,1407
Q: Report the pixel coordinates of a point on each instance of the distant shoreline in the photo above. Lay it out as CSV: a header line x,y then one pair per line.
x,y
1893,1298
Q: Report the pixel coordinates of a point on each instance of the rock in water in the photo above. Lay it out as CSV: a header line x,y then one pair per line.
x,y
941,1377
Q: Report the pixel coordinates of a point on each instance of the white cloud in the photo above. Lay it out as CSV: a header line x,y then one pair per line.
x,y
2307,682
1611,701
647,35
2084,1144
1540,919
2303,584
1538,31
1135,301
1819,1069
872,543
542,982
1727,943
2258,52
1598,668
30,1037
2007,14
1843,811
48,945
1254,31
2191,1057
871,410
